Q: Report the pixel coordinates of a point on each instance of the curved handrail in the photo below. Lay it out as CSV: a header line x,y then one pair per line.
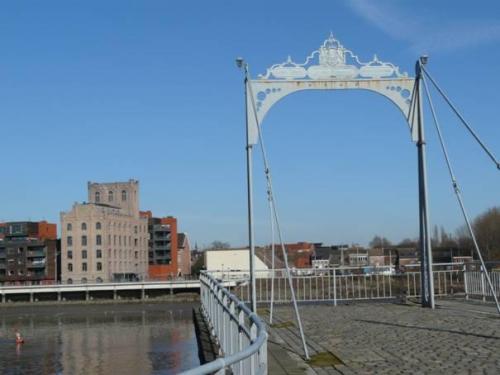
x,y
220,306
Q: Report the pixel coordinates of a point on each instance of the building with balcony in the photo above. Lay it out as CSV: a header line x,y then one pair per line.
x,y
105,239
162,247
28,253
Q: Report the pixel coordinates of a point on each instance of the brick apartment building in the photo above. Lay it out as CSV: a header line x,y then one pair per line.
x,y
300,254
168,251
28,252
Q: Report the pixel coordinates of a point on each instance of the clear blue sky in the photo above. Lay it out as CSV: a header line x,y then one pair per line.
x,y
112,90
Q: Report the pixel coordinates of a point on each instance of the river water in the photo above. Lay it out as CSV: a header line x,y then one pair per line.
x,y
152,338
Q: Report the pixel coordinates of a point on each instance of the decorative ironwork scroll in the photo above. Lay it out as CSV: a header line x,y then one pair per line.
x,y
331,67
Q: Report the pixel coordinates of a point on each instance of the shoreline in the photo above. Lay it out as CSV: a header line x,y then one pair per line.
x,y
176,298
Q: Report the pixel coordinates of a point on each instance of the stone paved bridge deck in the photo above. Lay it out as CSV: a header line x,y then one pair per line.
x,y
383,338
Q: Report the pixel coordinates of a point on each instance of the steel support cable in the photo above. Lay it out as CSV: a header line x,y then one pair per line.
x,y
272,199
458,194
464,122
271,307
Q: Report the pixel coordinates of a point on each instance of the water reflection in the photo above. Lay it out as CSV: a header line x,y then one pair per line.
x,y
98,339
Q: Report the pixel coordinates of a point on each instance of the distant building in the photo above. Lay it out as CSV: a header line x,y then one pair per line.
x,y
105,239
162,247
28,252
184,254
300,254
376,257
233,263
325,256
358,258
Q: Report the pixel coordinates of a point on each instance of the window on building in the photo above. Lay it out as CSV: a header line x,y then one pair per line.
x,y
98,226
69,241
114,239
124,195
84,254
69,227
84,240
70,267
70,254
99,280
109,239
69,281
84,266
135,241
110,196
98,253
84,280
98,240
136,254
97,197
120,240
99,266
84,226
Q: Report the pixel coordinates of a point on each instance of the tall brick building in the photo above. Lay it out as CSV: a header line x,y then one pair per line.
x,y
168,251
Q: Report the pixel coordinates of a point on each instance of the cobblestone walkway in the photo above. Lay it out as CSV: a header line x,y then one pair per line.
x,y
389,339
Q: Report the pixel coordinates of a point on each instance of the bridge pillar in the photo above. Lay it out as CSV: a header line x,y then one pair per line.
x,y
114,294
87,295
426,276
4,298
31,297
143,294
58,296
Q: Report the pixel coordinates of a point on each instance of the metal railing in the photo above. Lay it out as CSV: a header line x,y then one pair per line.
x,y
240,333
476,286
347,283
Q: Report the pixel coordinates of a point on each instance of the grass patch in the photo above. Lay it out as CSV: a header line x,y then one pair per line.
x,y
324,359
282,325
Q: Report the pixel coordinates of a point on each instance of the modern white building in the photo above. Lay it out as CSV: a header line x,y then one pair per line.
x,y
233,263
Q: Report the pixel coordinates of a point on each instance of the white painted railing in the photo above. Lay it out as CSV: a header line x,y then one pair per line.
x,y
349,283
240,333
476,285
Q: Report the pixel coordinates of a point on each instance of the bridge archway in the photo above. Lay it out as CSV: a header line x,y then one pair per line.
x,y
334,67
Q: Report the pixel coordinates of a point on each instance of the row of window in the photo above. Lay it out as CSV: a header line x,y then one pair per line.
x,y
98,226
98,240
69,226
110,196
98,254
84,280
84,267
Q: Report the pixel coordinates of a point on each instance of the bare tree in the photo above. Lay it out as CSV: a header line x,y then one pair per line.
x,y
408,242
379,242
487,230
218,245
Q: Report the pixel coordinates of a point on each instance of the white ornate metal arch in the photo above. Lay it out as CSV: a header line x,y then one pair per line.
x,y
331,67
